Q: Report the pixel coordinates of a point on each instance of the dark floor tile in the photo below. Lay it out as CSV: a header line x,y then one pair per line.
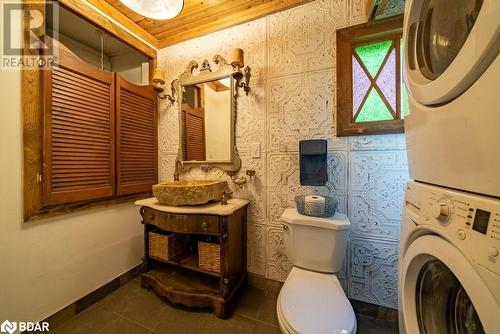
x,y
146,309
264,328
370,325
123,326
183,320
237,324
264,283
89,321
121,298
375,311
134,310
267,312
250,302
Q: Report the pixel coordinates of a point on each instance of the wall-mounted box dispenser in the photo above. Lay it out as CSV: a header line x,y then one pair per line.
x,y
313,162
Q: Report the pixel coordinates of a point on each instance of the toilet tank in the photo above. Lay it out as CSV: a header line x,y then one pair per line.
x,y
312,243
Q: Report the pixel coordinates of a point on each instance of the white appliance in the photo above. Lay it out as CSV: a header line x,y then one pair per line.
x,y
452,72
312,300
449,269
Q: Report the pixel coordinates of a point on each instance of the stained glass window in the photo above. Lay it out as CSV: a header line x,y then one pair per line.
x,y
371,96
378,92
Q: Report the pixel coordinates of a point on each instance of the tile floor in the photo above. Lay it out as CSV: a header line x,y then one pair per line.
x,y
133,310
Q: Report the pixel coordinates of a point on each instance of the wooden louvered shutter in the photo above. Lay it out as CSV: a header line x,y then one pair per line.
x,y
195,133
78,132
136,137
183,134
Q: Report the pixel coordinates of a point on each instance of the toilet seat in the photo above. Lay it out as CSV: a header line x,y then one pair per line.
x,y
314,303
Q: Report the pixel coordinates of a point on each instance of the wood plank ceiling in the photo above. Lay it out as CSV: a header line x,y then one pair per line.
x,y
200,17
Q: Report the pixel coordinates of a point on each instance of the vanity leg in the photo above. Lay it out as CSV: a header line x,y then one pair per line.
x,y
145,259
221,310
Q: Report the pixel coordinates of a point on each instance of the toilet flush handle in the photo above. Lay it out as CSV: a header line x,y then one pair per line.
x,y
285,227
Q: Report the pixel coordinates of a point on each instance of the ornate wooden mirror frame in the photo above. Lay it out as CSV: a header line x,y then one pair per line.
x,y
197,74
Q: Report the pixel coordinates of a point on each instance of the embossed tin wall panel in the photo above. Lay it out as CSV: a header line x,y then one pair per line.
x,y
372,271
293,65
377,180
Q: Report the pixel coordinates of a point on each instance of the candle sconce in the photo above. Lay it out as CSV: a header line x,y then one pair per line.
x,y
238,62
159,86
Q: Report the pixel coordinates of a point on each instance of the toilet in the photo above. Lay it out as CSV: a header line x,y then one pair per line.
x,y
312,300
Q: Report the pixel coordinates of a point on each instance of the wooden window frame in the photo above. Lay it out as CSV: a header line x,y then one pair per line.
x,y
347,40
32,90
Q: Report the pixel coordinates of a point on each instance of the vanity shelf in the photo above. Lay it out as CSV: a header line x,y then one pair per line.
x,y
189,261
180,279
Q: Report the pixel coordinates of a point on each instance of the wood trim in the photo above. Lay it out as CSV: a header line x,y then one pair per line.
x,y
251,11
32,104
83,10
65,209
121,18
346,39
153,63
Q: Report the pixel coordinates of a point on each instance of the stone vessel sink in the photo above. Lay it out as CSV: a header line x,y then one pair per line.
x,y
194,192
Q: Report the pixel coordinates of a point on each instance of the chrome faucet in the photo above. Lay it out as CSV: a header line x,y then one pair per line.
x,y
177,170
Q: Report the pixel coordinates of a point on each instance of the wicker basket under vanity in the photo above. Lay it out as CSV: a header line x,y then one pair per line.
x,y
209,256
166,246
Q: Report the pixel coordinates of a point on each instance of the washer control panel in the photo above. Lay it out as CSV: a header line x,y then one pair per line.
x,y
471,222
443,210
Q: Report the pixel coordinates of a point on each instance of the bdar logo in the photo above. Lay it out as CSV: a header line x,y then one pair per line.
x,y
8,327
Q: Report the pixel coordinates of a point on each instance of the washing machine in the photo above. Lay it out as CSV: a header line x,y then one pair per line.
x,y
452,72
449,269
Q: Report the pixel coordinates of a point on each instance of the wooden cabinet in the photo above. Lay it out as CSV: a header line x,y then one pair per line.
x,y
180,279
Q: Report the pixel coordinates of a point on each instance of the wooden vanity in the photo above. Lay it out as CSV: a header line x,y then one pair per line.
x,y
180,279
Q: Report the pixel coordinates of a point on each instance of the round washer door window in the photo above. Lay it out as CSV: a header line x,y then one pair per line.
x,y
442,303
445,30
448,47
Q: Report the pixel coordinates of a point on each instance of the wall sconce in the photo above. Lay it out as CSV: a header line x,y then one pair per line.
x,y
159,85
238,62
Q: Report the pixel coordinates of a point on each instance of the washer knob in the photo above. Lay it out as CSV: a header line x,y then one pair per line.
x,y
493,252
461,235
443,210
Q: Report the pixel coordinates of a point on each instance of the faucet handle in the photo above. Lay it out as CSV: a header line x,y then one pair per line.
x,y
225,196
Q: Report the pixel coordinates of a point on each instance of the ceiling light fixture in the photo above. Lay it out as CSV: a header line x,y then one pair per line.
x,y
156,9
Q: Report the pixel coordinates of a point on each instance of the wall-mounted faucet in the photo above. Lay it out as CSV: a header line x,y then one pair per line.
x,y
241,181
178,170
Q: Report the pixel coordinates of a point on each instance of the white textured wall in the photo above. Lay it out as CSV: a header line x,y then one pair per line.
x,y
292,55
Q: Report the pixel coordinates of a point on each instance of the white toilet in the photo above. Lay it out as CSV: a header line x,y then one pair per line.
x,y
312,300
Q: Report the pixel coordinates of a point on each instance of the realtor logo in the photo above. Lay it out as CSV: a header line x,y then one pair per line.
x,y
11,327
8,327
28,30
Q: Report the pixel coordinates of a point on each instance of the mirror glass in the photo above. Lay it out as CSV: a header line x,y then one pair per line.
x,y
206,114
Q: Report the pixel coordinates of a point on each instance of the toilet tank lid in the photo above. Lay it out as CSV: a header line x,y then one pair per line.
x,y
337,222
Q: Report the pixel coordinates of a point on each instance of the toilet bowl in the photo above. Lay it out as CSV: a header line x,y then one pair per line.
x,y
312,300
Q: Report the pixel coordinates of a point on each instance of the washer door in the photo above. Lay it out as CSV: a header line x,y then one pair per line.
x,y
442,292
449,46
